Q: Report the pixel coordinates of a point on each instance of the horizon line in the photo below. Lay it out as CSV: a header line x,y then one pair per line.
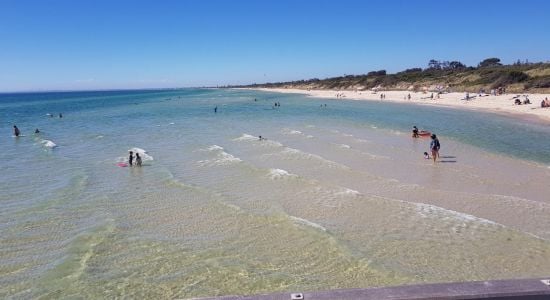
x,y
105,90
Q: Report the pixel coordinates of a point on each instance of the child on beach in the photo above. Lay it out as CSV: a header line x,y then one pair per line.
x,y
426,155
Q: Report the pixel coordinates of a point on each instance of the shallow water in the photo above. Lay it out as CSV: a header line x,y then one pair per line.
x,y
336,197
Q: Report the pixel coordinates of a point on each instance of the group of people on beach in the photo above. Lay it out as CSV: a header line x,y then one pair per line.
x,y
543,104
382,96
518,101
131,159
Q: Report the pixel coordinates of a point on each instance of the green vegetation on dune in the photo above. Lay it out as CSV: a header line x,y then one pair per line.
x,y
439,76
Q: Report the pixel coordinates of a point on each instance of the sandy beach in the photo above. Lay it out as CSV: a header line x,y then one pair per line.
x,y
502,104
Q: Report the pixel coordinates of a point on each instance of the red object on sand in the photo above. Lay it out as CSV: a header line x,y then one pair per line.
x,y
424,133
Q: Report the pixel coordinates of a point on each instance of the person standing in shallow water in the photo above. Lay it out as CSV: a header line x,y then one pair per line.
x,y
415,132
131,158
16,131
138,160
434,146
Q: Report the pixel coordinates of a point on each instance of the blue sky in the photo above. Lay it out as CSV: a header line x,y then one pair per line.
x,y
74,45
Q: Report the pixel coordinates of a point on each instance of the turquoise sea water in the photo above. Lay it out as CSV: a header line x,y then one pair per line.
x,y
336,197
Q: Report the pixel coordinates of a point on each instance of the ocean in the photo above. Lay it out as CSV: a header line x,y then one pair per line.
x,y
335,196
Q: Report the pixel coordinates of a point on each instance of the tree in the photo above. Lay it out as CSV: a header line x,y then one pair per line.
x,y
456,65
490,62
377,73
434,64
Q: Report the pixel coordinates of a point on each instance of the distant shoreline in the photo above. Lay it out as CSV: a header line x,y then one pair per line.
x,y
503,104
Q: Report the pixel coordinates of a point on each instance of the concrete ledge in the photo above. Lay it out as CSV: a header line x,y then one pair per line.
x,y
531,289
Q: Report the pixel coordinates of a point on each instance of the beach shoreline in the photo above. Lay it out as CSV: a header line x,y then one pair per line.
x,y
502,104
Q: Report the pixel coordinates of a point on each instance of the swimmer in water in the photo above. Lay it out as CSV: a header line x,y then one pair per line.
x,y
16,131
131,158
36,131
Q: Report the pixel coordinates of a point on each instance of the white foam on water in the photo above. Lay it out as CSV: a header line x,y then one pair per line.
x,y
215,148
225,157
265,142
295,152
289,131
279,174
307,223
172,123
232,206
246,137
374,156
347,134
48,144
272,143
344,146
222,157
427,210
347,192
309,136
310,126
142,153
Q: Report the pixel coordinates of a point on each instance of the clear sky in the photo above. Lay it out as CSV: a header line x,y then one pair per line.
x,y
97,44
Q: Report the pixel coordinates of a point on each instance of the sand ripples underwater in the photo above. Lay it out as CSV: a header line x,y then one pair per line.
x,y
322,201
